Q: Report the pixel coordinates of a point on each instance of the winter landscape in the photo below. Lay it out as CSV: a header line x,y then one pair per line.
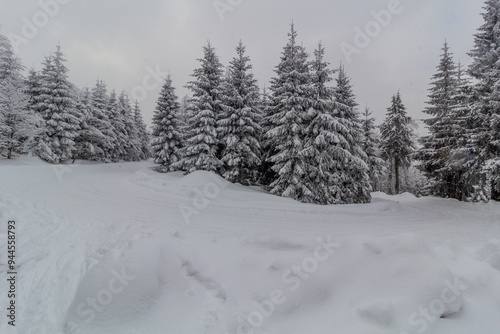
x,y
243,206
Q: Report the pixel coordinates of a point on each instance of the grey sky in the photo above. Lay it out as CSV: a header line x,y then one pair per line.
x,y
121,42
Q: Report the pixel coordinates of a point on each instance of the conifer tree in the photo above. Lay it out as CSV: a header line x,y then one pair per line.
x,y
125,110
372,146
142,140
100,120
358,184
485,111
17,122
441,141
166,141
202,150
239,128
287,118
119,150
330,153
397,140
56,105
90,140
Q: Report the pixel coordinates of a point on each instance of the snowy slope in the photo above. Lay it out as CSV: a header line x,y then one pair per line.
x,y
120,248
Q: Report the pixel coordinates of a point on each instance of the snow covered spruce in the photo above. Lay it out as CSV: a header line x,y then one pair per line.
x,y
47,115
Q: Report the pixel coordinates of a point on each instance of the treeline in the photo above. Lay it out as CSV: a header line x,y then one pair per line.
x,y
303,139
47,115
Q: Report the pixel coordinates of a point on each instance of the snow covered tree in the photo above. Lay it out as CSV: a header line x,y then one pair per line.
x,y
201,150
100,120
90,139
32,86
441,141
371,145
119,151
322,149
239,125
397,140
288,119
356,182
17,122
56,105
142,140
127,115
166,141
331,155
485,115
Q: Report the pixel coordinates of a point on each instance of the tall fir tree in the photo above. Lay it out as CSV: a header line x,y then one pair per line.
x,y
131,132
142,140
101,120
397,140
239,125
166,141
119,151
462,158
56,105
372,146
201,150
356,184
441,141
323,136
90,140
485,113
287,118
331,155
17,121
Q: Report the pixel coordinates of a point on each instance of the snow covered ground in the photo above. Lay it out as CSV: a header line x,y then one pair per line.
x,y
119,248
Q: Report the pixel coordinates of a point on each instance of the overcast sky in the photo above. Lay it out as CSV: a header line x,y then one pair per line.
x,y
121,42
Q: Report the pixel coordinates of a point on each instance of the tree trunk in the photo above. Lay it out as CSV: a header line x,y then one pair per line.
x,y
391,176
396,175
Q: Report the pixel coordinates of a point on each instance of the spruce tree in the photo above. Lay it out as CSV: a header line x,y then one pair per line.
x,y
142,136
89,143
356,182
166,141
332,157
101,121
372,147
463,157
119,150
322,142
288,120
202,150
17,122
131,150
441,141
56,105
485,113
239,126
397,140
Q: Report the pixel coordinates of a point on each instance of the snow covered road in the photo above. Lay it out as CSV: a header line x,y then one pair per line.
x,y
119,248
